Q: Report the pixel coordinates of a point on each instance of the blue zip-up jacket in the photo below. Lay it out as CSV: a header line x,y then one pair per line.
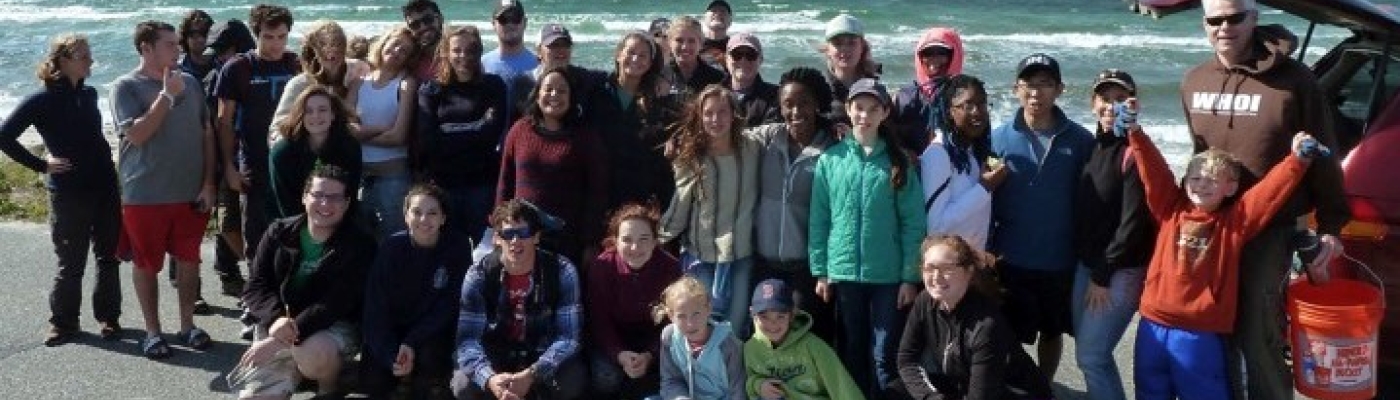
x,y
1033,210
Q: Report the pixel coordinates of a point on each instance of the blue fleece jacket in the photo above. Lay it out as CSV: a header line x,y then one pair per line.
x,y
1033,210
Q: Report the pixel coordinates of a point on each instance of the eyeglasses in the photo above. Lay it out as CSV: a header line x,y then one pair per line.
x,y
328,198
515,233
1042,86
935,51
1233,19
744,55
944,270
509,20
423,21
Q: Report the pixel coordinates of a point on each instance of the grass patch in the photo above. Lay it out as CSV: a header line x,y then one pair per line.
x,y
23,196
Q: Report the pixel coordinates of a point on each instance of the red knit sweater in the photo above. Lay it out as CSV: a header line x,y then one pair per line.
x,y
1193,279
619,299
564,173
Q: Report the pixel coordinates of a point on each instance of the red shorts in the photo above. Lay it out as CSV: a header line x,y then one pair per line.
x,y
149,231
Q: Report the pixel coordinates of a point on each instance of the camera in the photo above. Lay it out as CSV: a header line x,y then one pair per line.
x,y
1124,117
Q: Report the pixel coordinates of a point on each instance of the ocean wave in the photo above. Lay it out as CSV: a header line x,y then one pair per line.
x,y
1094,40
30,13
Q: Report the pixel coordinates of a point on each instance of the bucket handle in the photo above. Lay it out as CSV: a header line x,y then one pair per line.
x,y
1380,284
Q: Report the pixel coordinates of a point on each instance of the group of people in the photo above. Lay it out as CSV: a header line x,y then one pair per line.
x,y
903,247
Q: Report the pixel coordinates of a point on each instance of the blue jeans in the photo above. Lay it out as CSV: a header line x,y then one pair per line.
x,y
1175,363
871,325
1097,333
382,198
468,208
729,287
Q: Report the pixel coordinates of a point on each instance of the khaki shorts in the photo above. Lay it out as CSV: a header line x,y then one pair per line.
x,y
279,376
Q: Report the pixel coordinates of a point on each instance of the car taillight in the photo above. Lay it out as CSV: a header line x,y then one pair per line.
x,y
1363,230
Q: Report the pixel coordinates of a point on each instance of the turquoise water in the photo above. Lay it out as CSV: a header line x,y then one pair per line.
x,y
1085,35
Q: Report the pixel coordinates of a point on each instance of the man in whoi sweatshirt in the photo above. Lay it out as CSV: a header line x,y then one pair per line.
x,y
1249,100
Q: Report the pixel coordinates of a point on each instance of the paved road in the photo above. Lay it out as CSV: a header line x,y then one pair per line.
x,y
93,368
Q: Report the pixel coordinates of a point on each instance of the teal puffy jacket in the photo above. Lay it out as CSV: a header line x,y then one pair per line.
x,y
862,229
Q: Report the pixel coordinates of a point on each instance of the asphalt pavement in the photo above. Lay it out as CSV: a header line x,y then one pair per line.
x,y
91,368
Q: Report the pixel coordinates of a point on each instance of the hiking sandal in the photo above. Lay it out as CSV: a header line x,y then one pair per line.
x,y
196,339
154,347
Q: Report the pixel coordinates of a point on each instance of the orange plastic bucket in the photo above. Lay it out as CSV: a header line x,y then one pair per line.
x,y
1333,330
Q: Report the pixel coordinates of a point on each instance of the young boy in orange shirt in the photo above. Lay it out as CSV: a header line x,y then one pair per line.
x,y
1189,298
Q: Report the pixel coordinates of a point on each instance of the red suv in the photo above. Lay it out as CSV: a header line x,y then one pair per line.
x,y
1362,74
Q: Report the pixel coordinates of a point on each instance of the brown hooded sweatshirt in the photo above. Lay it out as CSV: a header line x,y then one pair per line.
x,y
1252,111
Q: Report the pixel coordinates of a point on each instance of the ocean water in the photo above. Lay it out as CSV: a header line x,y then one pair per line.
x,y
1084,35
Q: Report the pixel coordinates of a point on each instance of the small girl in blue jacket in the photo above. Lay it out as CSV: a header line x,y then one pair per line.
x,y
700,358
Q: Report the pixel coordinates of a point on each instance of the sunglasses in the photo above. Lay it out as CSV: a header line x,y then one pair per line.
x,y
422,21
328,198
1233,19
509,20
515,233
744,55
935,51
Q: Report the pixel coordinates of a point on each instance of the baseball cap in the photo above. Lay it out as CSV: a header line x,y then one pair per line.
x,y
231,34
1115,76
720,3
552,32
743,39
869,86
934,43
1038,62
844,24
659,26
509,8
771,295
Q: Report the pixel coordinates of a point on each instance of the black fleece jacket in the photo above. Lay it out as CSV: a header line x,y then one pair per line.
x,y
1113,228
335,292
70,124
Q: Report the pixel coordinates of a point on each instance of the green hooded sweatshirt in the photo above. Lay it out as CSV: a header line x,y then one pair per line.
x,y
808,368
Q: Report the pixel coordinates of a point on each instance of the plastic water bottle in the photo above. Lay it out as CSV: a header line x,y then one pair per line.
x,y
1125,115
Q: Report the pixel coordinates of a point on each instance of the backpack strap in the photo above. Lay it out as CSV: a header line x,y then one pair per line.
x,y
928,204
1127,158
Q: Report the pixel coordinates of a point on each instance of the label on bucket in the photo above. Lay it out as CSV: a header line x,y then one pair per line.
x,y
1336,364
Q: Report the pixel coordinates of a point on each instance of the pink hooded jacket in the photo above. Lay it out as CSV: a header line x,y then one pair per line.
x,y
946,36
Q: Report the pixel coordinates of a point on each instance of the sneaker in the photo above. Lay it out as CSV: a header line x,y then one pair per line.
x,y
247,332
59,336
201,307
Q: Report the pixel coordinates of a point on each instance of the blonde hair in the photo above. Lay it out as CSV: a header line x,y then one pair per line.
x,y
64,45
445,75
323,33
1215,163
376,51
685,288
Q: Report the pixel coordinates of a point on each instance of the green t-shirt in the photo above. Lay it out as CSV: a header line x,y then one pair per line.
x,y
310,259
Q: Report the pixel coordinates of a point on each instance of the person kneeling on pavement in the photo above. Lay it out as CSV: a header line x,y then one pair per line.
x,y
306,292
518,328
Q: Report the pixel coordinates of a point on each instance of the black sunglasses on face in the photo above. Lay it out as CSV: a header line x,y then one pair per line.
x,y
505,20
744,55
1233,19
515,233
935,51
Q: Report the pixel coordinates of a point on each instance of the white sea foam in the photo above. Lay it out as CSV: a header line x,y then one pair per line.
x,y
29,13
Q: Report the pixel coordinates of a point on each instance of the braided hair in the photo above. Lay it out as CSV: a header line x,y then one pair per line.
x,y
952,139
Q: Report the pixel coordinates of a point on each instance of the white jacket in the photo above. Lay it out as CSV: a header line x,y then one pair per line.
x,y
964,207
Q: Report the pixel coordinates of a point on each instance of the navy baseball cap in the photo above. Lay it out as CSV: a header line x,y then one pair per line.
x,y
771,295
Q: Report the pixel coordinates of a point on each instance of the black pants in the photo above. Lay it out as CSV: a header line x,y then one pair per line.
x,y
432,365
609,382
80,220
798,276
